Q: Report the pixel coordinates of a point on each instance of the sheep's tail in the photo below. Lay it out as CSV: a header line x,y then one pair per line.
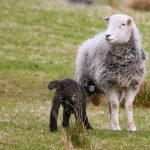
x,y
53,84
96,99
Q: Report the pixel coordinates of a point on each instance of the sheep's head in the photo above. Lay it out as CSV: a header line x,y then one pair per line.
x,y
119,28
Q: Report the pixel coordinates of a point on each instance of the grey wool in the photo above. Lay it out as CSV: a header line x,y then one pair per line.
x,y
109,65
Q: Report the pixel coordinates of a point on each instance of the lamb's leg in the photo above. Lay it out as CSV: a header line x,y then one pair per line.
x,y
114,109
78,115
86,121
81,117
54,114
84,118
66,117
130,95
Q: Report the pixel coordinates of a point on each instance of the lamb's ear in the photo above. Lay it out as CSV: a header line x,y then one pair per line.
x,y
106,19
129,21
53,84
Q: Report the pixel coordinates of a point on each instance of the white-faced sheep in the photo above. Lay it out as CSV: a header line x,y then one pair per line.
x,y
115,62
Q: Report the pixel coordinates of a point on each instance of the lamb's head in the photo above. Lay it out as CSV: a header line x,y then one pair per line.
x,y
119,28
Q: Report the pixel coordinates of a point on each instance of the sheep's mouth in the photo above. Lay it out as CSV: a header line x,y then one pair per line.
x,y
109,39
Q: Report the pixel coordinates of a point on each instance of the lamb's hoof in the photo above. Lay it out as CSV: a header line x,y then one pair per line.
x,y
53,130
132,127
65,125
89,128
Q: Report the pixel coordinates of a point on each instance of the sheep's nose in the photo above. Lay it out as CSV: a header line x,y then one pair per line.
x,y
108,35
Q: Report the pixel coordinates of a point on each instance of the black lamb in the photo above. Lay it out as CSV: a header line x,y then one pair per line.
x,y
73,98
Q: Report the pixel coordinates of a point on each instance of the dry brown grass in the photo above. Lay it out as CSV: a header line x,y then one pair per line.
x,y
140,4
143,97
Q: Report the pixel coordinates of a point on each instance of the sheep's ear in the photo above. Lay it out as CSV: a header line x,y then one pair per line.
x,y
106,19
53,84
129,21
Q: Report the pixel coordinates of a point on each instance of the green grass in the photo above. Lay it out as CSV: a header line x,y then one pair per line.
x,y
38,43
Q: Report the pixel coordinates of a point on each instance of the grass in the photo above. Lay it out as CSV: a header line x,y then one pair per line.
x,y
39,40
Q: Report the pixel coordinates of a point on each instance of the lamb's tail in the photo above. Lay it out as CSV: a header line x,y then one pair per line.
x,y
53,84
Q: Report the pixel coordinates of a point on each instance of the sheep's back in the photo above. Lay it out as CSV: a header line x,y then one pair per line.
x,y
91,57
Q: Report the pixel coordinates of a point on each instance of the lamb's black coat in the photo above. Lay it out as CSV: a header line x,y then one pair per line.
x,y
73,98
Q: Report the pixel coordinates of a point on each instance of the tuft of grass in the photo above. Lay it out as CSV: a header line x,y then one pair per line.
x,y
78,136
66,140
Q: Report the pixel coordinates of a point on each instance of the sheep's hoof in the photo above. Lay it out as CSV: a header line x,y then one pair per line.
x,y
132,128
115,128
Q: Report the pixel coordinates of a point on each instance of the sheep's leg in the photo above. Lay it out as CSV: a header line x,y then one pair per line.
x,y
114,109
66,117
54,114
130,95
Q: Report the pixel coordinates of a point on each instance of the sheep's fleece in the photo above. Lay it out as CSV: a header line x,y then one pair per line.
x,y
115,62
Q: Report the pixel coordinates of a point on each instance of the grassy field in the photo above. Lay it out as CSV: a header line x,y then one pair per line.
x,y
38,43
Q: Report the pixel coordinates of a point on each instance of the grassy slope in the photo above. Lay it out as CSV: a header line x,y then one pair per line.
x,y
38,43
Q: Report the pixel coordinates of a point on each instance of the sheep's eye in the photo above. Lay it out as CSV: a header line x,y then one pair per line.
x,y
123,24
